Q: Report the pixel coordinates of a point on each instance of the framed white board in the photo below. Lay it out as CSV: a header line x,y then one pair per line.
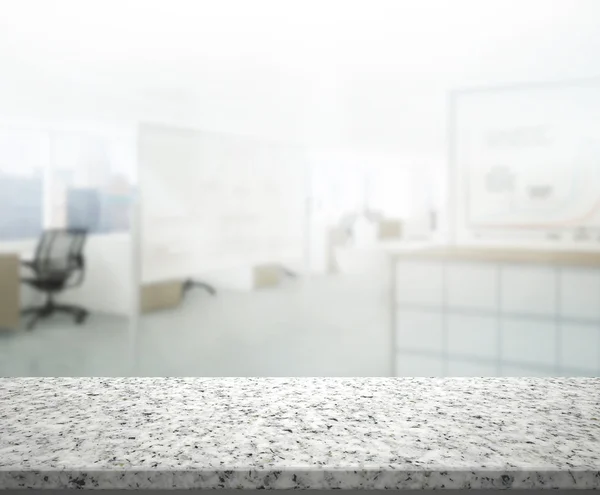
x,y
527,164
213,201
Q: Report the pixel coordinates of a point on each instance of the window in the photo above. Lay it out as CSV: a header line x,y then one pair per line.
x,y
92,182
54,179
23,163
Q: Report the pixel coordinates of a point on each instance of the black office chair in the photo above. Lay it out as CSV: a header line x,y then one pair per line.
x,y
58,265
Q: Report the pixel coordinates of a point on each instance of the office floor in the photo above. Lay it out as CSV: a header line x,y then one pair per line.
x,y
328,326
59,347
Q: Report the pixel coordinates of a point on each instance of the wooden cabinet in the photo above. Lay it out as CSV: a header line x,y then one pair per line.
x,y
10,291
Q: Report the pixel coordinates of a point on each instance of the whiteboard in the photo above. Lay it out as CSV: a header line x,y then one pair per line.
x,y
213,201
528,163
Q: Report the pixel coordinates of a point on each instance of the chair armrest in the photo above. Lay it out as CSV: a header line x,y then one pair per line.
x,y
28,263
79,275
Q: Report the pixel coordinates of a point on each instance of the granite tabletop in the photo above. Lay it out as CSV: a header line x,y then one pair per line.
x,y
356,433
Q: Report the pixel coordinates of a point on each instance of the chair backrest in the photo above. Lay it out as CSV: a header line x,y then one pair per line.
x,y
61,250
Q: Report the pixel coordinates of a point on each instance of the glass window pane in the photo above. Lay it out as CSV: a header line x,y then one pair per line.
x,y
23,158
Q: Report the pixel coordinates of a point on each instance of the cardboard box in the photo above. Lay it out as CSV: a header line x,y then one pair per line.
x,y
389,229
160,296
267,276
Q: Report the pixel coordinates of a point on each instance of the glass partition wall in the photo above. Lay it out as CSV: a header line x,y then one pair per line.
x,y
216,254
66,245
223,253
260,258
264,259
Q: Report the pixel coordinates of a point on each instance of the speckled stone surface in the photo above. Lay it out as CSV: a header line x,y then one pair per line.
x,y
360,433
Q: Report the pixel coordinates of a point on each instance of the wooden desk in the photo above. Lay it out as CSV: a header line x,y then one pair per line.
x,y
10,291
504,255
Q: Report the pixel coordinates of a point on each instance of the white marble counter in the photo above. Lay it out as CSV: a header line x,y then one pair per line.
x,y
319,433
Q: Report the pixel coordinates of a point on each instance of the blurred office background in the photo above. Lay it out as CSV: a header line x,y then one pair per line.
x,y
302,188
57,178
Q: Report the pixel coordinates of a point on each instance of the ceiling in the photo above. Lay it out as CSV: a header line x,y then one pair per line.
x,y
338,71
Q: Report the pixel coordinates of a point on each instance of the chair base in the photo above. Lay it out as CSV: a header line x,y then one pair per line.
x,y
191,283
39,312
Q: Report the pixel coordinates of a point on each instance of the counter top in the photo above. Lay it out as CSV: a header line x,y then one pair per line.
x,y
356,433
502,255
